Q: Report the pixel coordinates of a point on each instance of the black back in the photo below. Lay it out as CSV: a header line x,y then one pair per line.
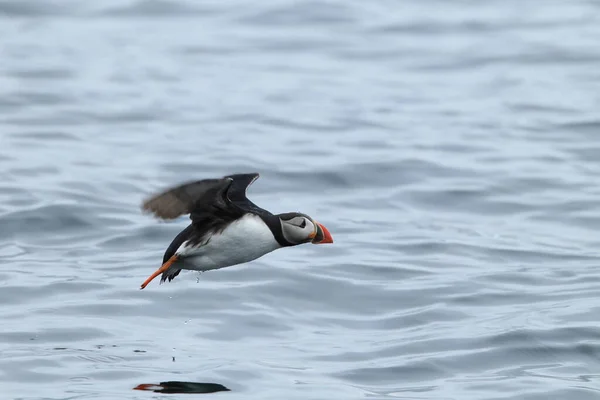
x,y
212,204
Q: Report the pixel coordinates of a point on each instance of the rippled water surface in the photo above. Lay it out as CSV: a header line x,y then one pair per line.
x,y
452,149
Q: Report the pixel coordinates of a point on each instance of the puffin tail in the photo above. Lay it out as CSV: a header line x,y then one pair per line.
x,y
169,274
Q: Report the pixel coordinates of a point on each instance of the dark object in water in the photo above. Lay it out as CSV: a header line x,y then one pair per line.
x,y
182,387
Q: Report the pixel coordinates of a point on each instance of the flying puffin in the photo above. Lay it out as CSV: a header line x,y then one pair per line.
x,y
226,228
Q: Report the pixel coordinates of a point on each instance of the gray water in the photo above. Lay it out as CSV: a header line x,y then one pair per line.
x,y
451,148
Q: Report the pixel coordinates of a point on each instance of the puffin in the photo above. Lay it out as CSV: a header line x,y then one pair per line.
x,y
226,227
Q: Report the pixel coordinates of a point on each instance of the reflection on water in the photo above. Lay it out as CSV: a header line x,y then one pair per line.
x,y
182,387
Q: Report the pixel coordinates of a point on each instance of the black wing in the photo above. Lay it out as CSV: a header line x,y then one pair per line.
x,y
208,201
236,194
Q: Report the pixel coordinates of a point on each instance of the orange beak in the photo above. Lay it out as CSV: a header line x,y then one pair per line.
x,y
159,271
148,386
322,235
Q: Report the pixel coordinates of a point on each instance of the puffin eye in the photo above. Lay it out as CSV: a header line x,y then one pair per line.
x,y
303,224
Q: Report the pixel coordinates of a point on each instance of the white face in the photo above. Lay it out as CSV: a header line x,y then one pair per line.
x,y
298,229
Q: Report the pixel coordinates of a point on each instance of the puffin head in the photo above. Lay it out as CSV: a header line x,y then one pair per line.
x,y
299,228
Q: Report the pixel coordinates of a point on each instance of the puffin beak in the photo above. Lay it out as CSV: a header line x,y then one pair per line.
x,y
159,271
322,235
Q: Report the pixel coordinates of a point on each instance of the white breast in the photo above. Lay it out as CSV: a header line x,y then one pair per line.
x,y
244,240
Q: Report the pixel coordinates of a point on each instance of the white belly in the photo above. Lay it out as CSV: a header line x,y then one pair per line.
x,y
244,240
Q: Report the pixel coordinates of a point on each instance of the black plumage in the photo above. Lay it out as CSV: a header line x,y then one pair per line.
x,y
212,204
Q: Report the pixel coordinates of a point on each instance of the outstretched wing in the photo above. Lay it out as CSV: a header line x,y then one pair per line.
x,y
186,198
206,199
236,194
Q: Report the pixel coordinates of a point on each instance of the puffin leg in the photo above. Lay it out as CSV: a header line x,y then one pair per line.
x,y
164,268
